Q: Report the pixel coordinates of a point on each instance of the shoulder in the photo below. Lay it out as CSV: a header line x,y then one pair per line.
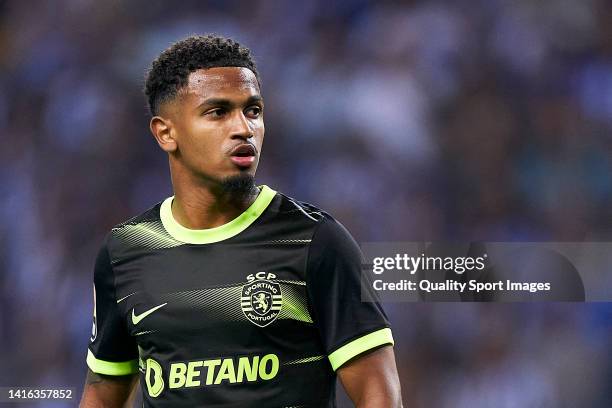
x,y
328,234
147,216
144,230
289,206
325,225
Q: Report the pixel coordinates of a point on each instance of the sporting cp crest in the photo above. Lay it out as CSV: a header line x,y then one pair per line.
x,y
261,301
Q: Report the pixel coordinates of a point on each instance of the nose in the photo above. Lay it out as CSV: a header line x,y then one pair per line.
x,y
241,128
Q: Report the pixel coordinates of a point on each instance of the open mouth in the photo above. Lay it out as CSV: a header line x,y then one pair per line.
x,y
243,155
243,150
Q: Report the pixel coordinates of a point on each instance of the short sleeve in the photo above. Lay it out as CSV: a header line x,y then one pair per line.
x,y
112,351
348,326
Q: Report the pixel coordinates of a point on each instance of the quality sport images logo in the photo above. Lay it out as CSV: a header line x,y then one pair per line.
x,y
261,299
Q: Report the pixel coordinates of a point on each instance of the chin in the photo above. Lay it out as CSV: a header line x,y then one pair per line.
x,y
241,183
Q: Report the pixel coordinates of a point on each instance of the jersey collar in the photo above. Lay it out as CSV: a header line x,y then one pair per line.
x,y
220,233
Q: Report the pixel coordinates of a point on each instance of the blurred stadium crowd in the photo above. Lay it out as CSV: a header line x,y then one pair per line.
x,y
410,120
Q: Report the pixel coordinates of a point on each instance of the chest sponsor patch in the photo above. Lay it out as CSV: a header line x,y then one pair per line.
x,y
261,301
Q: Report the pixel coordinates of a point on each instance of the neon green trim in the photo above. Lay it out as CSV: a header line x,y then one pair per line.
x,y
109,367
358,346
296,310
225,231
305,360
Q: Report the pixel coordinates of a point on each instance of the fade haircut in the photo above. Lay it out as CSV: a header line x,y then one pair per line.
x,y
170,71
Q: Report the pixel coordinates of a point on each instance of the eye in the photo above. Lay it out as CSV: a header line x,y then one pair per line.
x,y
216,113
253,111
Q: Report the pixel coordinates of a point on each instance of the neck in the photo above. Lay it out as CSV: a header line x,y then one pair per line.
x,y
201,204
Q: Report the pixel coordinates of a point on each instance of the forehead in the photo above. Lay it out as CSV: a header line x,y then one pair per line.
x,y
222,81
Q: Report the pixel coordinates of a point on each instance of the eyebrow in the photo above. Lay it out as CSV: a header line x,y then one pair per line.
x,y
227,103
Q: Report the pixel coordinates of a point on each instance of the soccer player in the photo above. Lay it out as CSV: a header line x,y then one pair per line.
x,y
230,294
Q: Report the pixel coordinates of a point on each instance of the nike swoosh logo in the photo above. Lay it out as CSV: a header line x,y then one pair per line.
x,y
137,318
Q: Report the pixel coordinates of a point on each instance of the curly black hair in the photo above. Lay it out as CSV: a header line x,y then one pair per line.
x,y
170,71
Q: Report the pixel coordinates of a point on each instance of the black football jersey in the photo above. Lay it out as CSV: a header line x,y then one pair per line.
x,y
258,312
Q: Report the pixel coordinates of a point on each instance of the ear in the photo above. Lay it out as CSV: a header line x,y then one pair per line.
x,y
163,133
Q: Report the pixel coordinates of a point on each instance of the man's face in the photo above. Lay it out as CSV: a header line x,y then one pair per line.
x,y
217,123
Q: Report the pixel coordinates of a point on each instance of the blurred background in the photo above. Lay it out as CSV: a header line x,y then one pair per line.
x,y
410,120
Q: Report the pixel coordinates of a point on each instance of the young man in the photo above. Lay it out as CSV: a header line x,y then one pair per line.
x,y
228,294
